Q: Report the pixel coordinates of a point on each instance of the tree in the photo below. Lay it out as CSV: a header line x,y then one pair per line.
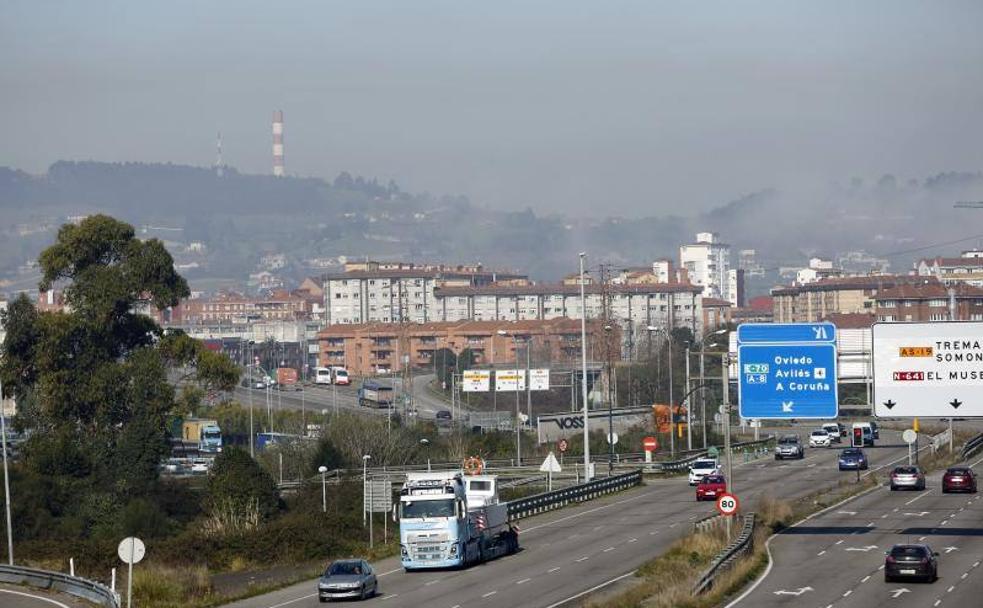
x,y
241,493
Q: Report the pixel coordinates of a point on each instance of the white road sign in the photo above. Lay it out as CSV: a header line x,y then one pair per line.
x,y
378,497
928,370
510,380
131,550
476,380
539,379
550,465
909,436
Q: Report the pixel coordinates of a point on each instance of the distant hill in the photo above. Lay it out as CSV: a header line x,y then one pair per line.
x,y
238,218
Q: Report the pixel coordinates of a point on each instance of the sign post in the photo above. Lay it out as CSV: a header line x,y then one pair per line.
x,y
131,550
550,466
562,446
787,370
909,437
649,444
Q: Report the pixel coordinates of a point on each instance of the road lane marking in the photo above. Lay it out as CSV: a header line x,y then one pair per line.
x,y
34,597
937,602
288,602
865,579
839,542
949,590
821,553
633,540
553,569
523,581
975,564
489,594
589,511
848,592
920,539
433,582
919,497
965,574
389,597
591,590
582,559
608,549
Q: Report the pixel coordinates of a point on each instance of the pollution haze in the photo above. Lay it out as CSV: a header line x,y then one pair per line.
x,y
581,108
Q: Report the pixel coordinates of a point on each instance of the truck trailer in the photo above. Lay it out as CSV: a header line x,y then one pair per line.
x,y
451,520
205,432
373,393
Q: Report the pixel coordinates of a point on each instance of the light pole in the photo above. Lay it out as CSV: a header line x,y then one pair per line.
x,y
518,422
607,356
6,481
583,379
324,488
426,443
689,419
252,433
672,414
725,376
365,470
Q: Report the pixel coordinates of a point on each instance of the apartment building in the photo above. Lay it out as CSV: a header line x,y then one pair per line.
x,y
707,263
968,268
235,308
930,302
379,348
839,295
370,292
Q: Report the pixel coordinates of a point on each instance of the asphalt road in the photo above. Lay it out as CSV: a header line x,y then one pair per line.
x,y
12,596
577,549
836,559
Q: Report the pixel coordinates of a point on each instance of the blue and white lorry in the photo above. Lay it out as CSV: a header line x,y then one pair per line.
x,y
451,520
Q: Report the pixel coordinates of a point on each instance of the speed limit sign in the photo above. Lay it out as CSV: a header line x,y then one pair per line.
x,y
562,445
727,504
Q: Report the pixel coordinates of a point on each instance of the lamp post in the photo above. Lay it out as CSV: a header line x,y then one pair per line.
x,y
6,481
518,422
324,488
672,415
689,419
426,443
583,379
252,432
607,356
365,470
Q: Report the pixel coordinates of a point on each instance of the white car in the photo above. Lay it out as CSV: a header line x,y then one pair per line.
x,y
820,439
701,468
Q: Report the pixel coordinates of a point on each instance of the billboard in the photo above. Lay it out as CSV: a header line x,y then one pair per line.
x,y
510,380
552,427
539,379
476,381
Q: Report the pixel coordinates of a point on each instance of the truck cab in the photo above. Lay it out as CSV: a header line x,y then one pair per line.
x,y
211,439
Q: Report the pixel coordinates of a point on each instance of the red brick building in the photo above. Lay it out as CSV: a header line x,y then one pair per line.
x,y
929,302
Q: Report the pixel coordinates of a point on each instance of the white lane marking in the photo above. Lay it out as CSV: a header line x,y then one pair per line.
x,y
633,540
921,538
608,549
673,525
596,528
848,592
975,564
881,567
34,597
839,542
944,522
299,599
870,524
949,590
553,569
821,553
433,582
937,602
653,533
389,597
865,579
582,559
919,497
489,594
965,574
884,516
591,590
523,581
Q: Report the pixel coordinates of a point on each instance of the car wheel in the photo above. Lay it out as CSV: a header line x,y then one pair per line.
x,y
893,487
888,578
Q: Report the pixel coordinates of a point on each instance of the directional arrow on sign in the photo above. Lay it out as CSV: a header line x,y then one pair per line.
x,y
889,404
864,549
897,592
950,549
955,403
800,591
787,406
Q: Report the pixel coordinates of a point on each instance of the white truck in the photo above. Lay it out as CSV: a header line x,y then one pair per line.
x,y
451,520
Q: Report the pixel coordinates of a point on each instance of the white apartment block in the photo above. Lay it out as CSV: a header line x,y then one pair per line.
x,y
707,261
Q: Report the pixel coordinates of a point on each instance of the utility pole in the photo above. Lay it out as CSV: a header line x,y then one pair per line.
x,y
724,364
583,379
689,407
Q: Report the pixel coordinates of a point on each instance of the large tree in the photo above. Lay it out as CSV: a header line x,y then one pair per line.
x,y
92,381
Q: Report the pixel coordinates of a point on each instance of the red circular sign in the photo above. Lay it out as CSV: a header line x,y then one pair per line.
x,y
650,444
727,504
562,445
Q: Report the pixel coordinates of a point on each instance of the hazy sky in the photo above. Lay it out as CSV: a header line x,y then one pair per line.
x,y
582,107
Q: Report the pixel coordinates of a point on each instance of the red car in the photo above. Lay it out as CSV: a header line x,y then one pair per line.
x,y
959,479
711,487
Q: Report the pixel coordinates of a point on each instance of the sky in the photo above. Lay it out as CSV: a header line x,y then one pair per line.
x,y
583,108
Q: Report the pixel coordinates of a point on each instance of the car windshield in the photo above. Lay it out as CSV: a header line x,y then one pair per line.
x,y
788,440
427,508
819,433
344,568
906,470
908,551
851,452
705,464
712,479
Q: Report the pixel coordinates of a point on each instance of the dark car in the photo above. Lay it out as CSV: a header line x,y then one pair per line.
x,y
443,417
959,479
907,477
911,561
347,579
853,458
874,430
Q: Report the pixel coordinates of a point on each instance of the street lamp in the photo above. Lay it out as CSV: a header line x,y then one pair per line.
x,y
607,355
6,481
518,422
252,433
324,488
583,358
426,443
703,414
672,421
365,467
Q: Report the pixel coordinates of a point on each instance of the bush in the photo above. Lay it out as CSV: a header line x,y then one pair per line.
x,y
240,492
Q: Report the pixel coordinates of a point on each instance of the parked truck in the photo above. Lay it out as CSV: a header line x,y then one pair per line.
x,y
451,520
373,393
204,432
286,378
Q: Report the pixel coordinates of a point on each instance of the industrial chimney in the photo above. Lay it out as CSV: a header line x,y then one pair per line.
x,y
278,143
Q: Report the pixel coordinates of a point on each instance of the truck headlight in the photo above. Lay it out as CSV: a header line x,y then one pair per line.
x,y
454,549
403,551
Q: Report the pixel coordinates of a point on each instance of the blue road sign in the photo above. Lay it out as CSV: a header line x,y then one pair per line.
x,y
787,370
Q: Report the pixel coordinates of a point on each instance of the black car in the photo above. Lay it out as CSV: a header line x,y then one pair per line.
x,y
347,579
911,561
443,416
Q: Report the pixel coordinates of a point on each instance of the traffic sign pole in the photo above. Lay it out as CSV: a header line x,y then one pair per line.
x,y
724,370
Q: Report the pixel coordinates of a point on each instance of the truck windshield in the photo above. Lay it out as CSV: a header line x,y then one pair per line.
x,y
427,508
212,434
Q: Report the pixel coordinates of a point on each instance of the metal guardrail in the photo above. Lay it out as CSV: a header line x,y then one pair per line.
x,y
972,445
741,546
707,523
92,591
677,465
548,501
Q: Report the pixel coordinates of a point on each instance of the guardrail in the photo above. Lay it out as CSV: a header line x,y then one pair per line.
x,y
972,445
705,524
741,546
92,591
548,501
677,465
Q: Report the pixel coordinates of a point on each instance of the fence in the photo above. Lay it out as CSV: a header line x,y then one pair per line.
x,y
972,445
547,501
95,592
741,546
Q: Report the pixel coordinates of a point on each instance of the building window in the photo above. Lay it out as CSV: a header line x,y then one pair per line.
x,y
938,303
889,304
937,316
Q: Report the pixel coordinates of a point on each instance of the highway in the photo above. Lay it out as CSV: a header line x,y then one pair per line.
x,y
12,596
577,549
836,559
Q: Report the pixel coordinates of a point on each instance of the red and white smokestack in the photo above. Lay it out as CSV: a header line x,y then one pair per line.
x,y
278,144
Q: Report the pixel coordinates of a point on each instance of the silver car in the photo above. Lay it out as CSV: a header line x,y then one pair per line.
x,y
347,579
907,477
